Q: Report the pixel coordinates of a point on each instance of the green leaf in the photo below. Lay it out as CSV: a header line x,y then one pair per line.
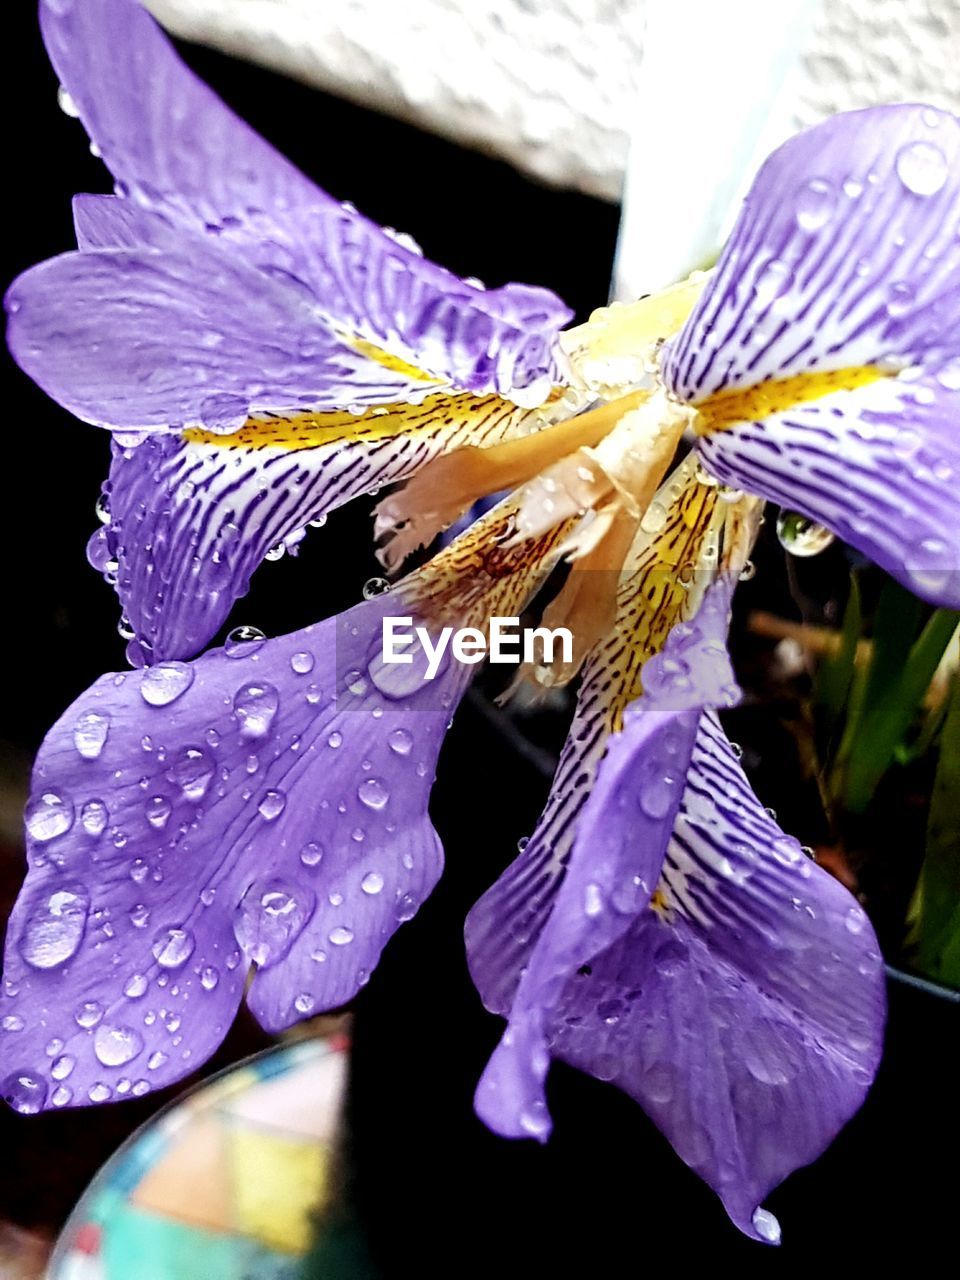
x,y
834,677
936,908
895,688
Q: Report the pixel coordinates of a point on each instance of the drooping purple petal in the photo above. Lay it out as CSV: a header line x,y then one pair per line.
x,y
616,860
174,147
742,1003
267,801
186,334
191,517
880,466
266,805
504,924
845,254
746,1014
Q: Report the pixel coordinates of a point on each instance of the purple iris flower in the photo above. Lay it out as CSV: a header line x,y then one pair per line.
x,y
263,354
219,289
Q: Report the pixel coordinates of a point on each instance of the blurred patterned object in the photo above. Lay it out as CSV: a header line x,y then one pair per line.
x,y
551,85
229,1182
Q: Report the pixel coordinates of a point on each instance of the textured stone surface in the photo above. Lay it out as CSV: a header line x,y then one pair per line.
x,y
552,84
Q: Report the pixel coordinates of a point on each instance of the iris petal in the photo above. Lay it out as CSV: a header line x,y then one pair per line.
x,y
268,801
845,254
179,150
878,465
745,1014
656,591
192,515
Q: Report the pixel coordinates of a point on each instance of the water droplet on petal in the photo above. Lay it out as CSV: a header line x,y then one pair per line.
x,y
62,1068
341,935
136,986
269,918
800,536
88,1015
116,1045
311,854
55,927
372,882
158,810
766,1226
535,1119
164,683
255,706
302,663
373,793
24,1093
191,771
173,947
922,168
90,734
272,805
49,816
12,1022
816,202
94,817
375,587
242,642
98,1092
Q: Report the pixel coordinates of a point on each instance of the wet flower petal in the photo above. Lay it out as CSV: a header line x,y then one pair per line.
x,y
879,466
266,803
638,790
746,1014
824,352
844,255
193,515
656,591
174,147
741,1003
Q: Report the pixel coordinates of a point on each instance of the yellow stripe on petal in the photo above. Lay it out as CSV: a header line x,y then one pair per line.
x,y
463,419
388,361
752,404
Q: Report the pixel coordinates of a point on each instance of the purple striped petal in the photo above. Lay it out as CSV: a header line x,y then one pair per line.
x,y
192,516
637,792
267,805
845,254
186,334
174,147
742,1003
746,1014
880,466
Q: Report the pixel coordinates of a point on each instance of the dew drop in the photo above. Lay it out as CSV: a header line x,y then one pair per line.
x,y
94,817
116,1045
62,1068
372,882
400,742
373,793
136,986
90,734
88,1015
311,854
268,919
55,927
272,805
158,810
98,1092
922,168
191,771
341,935
801,536
24,1093
302,662
816,201
255,706
766,1226
173,947
242,642
49,816
164,683
12,1022
374,587
209,977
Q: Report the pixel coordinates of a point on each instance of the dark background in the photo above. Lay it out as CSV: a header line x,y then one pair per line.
x,y
434,1192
